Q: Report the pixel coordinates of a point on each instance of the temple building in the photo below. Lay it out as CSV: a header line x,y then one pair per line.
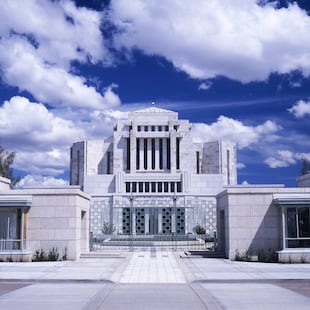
x,y
150,177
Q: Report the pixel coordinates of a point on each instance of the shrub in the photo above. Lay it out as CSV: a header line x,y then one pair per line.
x,y
53,255
199,230
39,256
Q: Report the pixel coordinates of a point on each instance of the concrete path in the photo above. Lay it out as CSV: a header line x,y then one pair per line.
x,y
153,280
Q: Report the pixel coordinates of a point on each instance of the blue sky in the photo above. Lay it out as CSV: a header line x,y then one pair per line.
x,y
238,70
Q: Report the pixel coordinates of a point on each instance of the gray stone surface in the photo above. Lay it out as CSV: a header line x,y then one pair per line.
x,y
148,280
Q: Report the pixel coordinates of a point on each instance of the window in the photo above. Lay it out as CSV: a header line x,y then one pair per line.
x,y
152,128
147,187
10,229
160,187
140,187
146,128
166,128
298,227
197,163
128,154
138,154
134,187
153,187
127,185
109,163
153,154
139,128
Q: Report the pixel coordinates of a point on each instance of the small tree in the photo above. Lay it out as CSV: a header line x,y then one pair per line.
x,y
199,230
107,228
6,161
305,166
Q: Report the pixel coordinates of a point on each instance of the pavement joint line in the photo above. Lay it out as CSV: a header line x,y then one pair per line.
x,y
34,281
263,281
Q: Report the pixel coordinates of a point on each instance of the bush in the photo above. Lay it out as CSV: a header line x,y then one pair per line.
x,y
53,255
199,230
39,256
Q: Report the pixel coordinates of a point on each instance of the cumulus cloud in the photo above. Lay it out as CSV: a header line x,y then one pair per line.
x,y
33,124
285,158
41,181
300,109
40,40
205,85
240,166
226,128
60,31
40,139
243,39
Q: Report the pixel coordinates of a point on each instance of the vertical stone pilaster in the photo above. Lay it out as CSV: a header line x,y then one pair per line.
x,y
149,154
147,220
133,152
172,151
156,154
160,221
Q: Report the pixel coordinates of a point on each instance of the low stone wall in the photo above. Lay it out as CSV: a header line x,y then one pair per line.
x,y
294,256
11,256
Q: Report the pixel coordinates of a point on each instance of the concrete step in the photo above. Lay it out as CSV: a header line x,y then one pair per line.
x,y
204,254
102,254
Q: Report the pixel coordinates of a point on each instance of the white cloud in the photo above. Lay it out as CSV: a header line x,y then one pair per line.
x,y
51,84
226,128
300,109
285,158
205,85
239,39
41,181
240,166
61,31
39,42
33,124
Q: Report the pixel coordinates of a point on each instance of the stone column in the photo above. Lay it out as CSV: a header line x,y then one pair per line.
x,y
160,220
133,152
133,219
173,216
164,154
149,154
172,151
141,154
156,154
146,220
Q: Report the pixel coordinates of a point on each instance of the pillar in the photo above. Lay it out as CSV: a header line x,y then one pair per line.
x,y
156,154
146,220
160,220
133,152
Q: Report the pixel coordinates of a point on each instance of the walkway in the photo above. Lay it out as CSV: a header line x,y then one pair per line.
x,y
153,280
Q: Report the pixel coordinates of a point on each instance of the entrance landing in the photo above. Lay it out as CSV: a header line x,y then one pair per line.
x,y
152,267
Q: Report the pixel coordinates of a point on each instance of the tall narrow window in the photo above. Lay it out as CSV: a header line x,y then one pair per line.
x,y
140,187
128,155
147,187
179,187
134,187
108,162
153,154
145,153
228,168
178,153
153,187
78,167
160,153
168,153
172,187
197,163
127,187
138,154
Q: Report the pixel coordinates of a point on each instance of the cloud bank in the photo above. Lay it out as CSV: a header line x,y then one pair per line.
x,y
242,39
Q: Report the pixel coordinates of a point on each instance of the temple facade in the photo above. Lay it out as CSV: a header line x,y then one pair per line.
x,y
150,177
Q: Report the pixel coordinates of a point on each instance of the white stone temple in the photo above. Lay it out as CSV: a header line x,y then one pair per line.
x,y
150,177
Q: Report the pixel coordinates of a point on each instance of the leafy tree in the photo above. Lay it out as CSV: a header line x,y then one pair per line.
x,y
6,161
199,230
305,166
107,228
